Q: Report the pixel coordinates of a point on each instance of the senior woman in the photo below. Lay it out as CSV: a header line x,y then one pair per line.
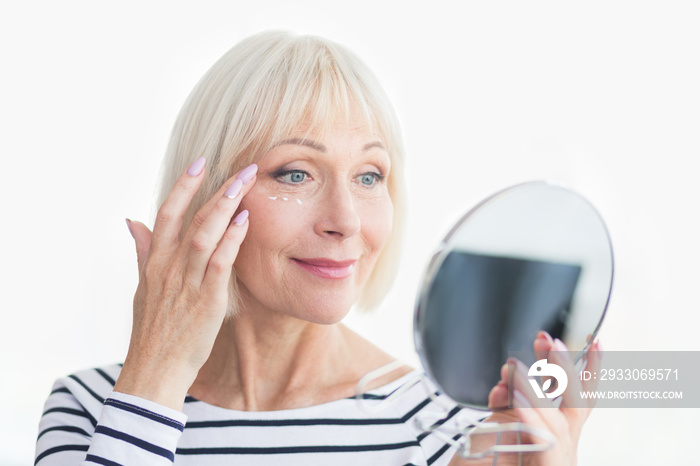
x,y
280,209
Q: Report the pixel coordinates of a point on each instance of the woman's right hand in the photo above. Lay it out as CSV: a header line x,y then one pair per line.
x,y
182,296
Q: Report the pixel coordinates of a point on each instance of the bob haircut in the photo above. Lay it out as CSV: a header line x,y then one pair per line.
x,y
257,94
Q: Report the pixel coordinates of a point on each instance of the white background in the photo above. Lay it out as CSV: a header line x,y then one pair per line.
x,y
601,96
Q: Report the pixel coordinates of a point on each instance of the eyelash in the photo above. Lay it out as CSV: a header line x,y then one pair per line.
x,y
378,177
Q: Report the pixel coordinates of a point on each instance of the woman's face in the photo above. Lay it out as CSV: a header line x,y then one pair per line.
x,y
320,214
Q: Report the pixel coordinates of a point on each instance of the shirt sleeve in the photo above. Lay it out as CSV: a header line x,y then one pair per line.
x,y
123,430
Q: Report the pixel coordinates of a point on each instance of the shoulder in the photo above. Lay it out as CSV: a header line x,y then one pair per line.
x,y
97,382
71,414
84,391
367,358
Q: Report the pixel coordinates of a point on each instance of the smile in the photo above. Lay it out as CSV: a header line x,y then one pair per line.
x,y
326,268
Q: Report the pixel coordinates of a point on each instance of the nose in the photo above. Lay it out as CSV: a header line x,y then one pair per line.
x,y
337,215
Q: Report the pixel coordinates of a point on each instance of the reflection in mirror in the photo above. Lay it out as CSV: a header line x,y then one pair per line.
x,y
533,257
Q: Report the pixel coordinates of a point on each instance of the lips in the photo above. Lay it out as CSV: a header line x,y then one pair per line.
x,y
327,268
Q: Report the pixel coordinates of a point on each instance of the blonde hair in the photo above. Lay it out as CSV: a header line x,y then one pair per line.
x,y
258,93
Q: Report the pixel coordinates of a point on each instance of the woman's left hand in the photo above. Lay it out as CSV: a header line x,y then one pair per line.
x,y
565,422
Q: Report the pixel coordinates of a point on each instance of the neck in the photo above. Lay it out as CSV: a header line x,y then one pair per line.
x,y
261,363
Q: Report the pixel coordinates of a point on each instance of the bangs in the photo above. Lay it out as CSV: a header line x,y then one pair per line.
x,y
310,88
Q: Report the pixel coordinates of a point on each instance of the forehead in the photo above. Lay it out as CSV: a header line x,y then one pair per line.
x,y
349,128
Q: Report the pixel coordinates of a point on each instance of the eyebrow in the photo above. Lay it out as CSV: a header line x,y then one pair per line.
x,y
372,145
303,142
321,148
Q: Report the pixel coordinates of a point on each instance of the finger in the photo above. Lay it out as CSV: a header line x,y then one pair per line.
x,y
530,416
593,365
142,237
498,397
220,265
209,226
547,412
247,176
166,230
572,407
543,345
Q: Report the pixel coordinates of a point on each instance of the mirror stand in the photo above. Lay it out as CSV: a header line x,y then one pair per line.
x,y
481,428
467,426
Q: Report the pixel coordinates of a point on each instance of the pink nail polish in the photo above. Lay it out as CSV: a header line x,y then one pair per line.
x,y
545,335
196,167
247,173
128,225
519,366
559,345
241,218
233,190
561,348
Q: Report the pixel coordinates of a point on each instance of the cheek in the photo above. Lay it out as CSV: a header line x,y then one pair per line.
x,y
377,223
275,222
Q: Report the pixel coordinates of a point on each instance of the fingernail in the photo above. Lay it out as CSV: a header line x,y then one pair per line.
x,y
561,347
241,218
504,374
519,366
128,225
599,347
521,399
196,167
545,335
247,173
233,190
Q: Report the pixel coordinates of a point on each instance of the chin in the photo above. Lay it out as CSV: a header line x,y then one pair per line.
x,y
325,312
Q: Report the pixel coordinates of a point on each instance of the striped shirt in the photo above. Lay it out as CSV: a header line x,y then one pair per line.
x,y
86,422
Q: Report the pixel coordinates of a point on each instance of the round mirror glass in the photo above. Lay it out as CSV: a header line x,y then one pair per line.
x,y
533,257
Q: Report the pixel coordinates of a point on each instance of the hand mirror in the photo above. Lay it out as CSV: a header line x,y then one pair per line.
x,y
532,257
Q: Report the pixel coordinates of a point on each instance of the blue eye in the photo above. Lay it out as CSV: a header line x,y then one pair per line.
x,y
293,176
369,179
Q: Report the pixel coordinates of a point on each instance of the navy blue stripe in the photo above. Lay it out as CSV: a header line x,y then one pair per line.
x,y
73,429
449,416
137,442
413,412
442,451
60,390
364,396
369,396
292,422
145,413
59,449
307,422
100,460
88,389
75,412
296,449
106,376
